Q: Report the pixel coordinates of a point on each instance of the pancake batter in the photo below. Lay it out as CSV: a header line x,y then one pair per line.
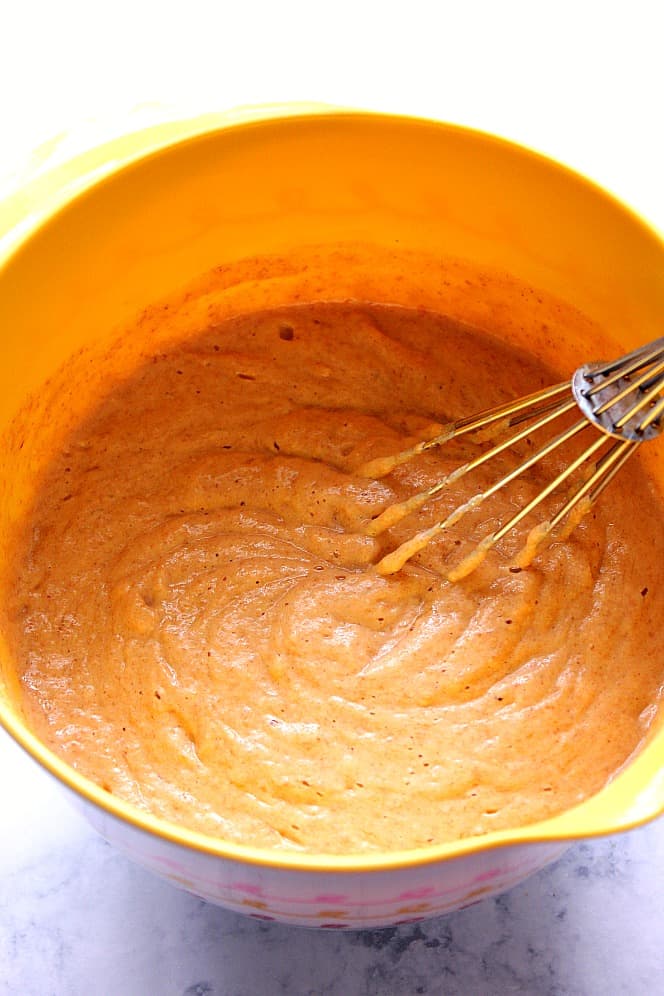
x,y
199,627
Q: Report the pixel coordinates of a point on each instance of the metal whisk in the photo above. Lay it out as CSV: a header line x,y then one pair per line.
x,y
623,399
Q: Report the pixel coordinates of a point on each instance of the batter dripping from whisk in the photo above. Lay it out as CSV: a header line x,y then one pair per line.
x,y
202,630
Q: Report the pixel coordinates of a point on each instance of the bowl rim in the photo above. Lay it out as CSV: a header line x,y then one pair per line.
x,y
49,195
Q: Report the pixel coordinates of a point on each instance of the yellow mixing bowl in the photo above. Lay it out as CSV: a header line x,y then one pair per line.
x,y
192,221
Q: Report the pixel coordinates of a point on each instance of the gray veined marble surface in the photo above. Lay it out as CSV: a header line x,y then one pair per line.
x,y
78,919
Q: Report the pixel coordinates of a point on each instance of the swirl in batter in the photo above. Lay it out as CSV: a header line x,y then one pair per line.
x,y
200,630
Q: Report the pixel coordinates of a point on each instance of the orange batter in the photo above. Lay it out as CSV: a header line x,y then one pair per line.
x,y
199,627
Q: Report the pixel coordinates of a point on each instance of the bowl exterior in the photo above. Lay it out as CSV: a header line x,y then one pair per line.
x,y
333,900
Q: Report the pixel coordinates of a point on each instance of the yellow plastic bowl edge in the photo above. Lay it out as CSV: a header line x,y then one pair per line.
x,y
21,214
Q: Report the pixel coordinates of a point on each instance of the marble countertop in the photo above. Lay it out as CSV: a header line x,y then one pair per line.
x,y
78,919
580,82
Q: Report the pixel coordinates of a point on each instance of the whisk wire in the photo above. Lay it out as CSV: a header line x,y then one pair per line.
x,y
625,365
654,415
556,482
395,513
651,376
605,470
515,412
630,410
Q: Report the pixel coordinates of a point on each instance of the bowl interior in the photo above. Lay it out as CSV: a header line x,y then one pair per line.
x,y
326,206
